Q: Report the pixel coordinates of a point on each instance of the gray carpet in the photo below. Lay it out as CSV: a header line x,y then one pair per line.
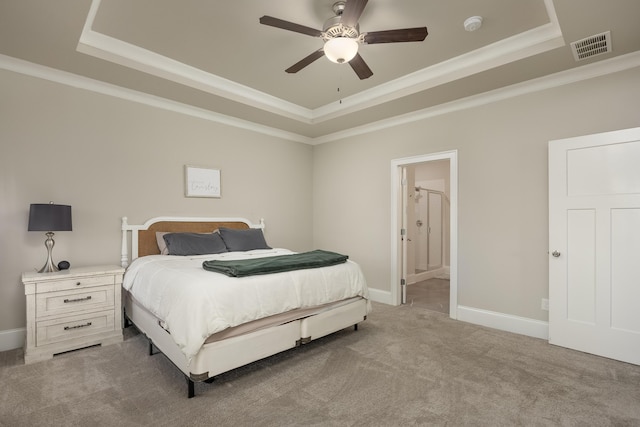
x,y
404,366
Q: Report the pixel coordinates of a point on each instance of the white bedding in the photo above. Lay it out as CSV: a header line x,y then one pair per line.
x,y
194,303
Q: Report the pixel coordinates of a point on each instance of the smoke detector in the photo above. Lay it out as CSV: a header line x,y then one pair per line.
x,y
473,23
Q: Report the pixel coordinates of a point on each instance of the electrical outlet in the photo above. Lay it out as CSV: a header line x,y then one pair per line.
x,y
544,305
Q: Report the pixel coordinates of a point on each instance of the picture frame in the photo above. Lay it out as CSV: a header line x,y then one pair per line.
x,y
201,182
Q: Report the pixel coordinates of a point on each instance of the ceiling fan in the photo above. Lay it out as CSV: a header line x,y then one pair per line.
x,y
341,35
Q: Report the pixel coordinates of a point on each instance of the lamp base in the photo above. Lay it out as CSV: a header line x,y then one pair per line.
x,y
49,266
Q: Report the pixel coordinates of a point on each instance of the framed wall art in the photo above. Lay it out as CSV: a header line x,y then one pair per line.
x,y
201,182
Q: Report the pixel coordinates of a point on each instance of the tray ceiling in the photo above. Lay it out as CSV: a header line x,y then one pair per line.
x,y
216,57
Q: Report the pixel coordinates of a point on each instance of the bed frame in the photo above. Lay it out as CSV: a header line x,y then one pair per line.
x,y
221,356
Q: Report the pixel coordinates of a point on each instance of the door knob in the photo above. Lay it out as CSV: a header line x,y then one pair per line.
x,y
555,254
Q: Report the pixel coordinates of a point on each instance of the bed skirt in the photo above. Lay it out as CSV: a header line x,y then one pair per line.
x,y
239,346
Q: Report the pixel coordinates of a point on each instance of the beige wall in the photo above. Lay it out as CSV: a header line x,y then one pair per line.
x,y
502,199
109,158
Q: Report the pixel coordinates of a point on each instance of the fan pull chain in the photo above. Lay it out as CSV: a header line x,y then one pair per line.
x,y
340,72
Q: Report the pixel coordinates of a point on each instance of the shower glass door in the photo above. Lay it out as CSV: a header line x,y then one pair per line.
x,y
434,242
428,247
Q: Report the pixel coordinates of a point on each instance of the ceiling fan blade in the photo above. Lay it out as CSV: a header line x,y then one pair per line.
x,y
286,25
396,36
305,61
352,11
360,67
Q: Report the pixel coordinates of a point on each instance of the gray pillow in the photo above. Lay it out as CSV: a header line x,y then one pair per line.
x,y
194,243
243,240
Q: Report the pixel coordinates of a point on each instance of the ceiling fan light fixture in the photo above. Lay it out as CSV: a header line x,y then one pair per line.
x,y
341,49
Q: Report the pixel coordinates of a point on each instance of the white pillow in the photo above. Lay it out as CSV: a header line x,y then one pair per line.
x,y
162,245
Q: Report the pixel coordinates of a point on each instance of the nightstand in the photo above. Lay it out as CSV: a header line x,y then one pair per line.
x,y
72,309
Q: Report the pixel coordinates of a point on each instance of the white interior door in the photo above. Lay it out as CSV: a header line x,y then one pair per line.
x,y
594,236
404,237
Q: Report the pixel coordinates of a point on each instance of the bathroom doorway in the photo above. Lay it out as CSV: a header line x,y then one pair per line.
x,y
428,230
428,280
424,221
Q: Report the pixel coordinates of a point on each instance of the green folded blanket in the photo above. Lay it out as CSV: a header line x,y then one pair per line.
x,y
275,264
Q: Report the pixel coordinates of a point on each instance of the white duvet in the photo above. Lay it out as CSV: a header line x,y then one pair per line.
x,y
194,303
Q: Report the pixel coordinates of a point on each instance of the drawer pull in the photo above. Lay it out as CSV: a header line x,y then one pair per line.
x,y
78,299
78,284
68,328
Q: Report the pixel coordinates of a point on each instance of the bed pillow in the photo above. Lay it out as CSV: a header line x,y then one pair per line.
x,y
194,243
243,240
162,245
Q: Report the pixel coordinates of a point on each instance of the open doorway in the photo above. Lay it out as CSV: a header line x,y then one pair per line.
x,y
428,235
424,230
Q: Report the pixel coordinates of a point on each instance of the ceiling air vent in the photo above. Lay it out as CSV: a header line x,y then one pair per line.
x,y
591,46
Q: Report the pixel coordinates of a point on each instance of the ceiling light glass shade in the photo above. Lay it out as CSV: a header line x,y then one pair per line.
x,y
341,49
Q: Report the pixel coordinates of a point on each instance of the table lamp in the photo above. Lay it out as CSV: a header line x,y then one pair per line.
x,y
49,218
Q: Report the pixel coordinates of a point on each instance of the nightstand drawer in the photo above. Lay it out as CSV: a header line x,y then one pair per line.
x,y
75,283
71,309
57,330
63,302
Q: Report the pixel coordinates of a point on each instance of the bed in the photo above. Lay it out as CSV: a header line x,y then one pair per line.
x,y
206,322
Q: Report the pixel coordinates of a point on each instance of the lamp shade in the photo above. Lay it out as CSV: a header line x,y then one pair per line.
x,y
341,49
49,217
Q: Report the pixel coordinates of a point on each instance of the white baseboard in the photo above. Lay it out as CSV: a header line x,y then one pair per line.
x,y
12,339
492,319
442,272
425,275
504,322
383,297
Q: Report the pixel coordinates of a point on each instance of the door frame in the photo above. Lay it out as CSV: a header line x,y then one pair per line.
x,y
396,223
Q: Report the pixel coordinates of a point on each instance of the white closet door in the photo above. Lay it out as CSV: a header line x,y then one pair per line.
x,y
594,236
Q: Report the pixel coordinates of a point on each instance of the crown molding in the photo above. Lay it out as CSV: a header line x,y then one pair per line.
x,y
80,82
131,56
528,43
585,72
574,75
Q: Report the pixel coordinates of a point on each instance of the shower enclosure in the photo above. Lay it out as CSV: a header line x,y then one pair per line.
x,y
430,234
